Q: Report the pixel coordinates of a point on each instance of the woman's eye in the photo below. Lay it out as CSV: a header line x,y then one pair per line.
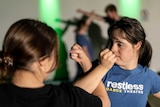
x,y
119,44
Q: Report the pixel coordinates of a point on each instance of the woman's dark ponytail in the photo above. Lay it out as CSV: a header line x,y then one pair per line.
x,y
145,54
6,68
2,68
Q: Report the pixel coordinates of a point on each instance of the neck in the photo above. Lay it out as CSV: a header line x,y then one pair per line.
x,y
82,32
27,79
117,17
129,67
132,64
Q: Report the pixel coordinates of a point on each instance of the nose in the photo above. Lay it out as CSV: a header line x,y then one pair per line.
x,y
114,48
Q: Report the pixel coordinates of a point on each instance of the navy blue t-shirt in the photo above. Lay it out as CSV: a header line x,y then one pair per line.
x,y
83,40
130,88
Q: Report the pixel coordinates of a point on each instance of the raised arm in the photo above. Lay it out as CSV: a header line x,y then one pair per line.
x,y
90,18
107,59
96,16
78,54
92,81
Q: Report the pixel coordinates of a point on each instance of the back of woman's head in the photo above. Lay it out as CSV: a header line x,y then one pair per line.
x,y
134,33
25,42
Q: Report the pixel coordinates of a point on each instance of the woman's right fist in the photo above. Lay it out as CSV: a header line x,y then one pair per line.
x,y
107,58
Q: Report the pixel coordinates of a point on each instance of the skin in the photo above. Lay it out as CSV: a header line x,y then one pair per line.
x,y
107,60
127,54
33,78
113,15
84,29
40,69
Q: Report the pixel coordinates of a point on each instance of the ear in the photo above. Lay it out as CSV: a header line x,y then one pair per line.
x,y
138,45
43,61
43,64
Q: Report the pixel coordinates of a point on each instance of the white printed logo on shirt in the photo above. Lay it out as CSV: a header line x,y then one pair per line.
x,y
124,87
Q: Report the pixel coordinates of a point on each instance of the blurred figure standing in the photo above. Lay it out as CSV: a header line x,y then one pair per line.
x,y
111,15
110,11
83,40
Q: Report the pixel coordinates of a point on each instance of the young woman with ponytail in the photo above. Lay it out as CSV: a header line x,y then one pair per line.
x,y
29,55
129,81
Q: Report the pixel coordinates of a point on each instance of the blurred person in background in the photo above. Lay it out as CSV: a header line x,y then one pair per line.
x,y
83,40
111,16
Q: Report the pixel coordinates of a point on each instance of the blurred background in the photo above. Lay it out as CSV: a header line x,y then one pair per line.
x,y
62,16
56,13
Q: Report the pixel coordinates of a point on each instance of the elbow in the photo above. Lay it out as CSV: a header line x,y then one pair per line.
x,y
106,103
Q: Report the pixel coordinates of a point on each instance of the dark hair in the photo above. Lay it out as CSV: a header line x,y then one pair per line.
x,y
25,42
110,7
134,33
80,24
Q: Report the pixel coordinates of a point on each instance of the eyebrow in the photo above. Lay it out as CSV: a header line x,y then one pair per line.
x,y
114,38
117,40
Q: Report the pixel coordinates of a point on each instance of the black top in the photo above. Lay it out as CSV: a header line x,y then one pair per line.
x,y
109,20
64,95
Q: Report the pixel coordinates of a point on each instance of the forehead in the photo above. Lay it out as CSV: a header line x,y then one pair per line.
x,y
118,34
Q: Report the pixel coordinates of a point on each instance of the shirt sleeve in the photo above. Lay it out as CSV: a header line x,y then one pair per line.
x,y
155,83
77,97
108,20
81,40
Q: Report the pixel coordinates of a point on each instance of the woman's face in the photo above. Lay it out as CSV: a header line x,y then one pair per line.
x,y
110,14
126,53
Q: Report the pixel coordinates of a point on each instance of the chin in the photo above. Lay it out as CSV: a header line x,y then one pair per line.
x,y
118,63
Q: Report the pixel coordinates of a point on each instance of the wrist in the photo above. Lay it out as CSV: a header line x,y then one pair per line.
x,y
86,65
104,68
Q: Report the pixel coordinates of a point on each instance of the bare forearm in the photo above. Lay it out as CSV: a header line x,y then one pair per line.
x,y
92,80
100,91
157,95
95,16
90,18
84,12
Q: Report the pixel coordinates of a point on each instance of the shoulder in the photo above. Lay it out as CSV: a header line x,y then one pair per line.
x,y
149,71
80,36
151,75
78,96
5,91
108,20
4,86
154,78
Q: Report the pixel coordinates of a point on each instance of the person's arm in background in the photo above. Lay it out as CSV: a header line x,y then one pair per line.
x,y
92,81
96,16
157,95
83,31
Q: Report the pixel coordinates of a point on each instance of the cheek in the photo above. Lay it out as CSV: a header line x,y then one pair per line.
x,y
126,55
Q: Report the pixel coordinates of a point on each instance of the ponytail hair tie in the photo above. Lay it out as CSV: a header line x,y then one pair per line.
x,y
1,60
8,61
